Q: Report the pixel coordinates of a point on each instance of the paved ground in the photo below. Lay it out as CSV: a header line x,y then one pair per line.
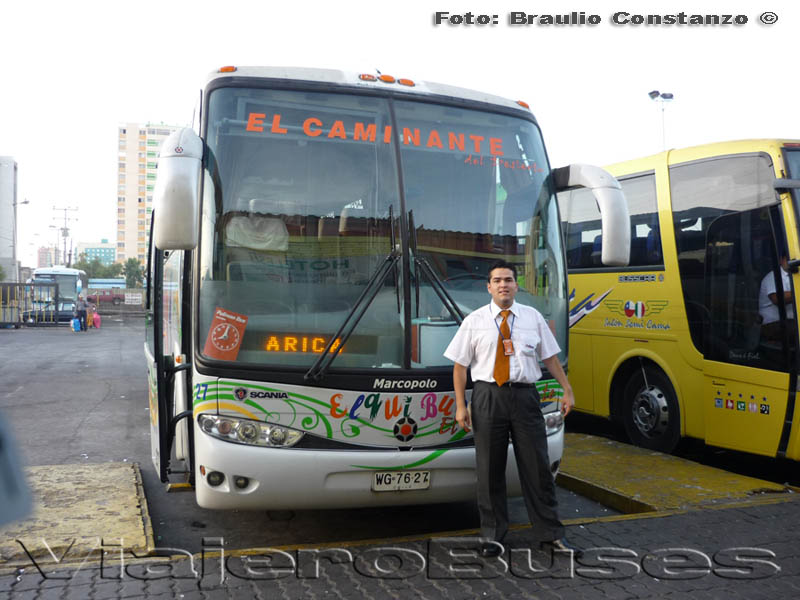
x,y
684,555
80,400
712,535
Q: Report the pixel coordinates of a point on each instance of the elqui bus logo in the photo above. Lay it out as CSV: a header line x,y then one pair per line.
x,y
405,429
636,308
240,393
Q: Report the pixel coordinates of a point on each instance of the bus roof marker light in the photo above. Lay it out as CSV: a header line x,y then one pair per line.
x,y
367,77
387,79
228,69
406,82
524,104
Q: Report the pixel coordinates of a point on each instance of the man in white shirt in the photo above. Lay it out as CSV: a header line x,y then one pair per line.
x,y
769,301
501,343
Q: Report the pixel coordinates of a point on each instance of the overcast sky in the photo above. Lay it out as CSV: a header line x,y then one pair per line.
x,y
73,71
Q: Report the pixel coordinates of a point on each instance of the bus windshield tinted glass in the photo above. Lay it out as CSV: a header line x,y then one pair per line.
x,y
298,194
478,189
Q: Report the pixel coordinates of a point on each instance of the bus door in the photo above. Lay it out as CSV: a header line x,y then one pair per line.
x,y
154,353
790,438
749,343
167,361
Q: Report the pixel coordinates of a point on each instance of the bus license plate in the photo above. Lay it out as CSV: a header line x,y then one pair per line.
x,y
391,481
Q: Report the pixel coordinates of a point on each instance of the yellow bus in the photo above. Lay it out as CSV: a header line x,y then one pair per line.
x,y
697,337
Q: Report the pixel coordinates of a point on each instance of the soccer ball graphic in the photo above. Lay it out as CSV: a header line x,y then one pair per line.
x,y
405,429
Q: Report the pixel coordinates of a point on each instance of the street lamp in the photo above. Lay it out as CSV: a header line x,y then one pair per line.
x,y
14,243
662,98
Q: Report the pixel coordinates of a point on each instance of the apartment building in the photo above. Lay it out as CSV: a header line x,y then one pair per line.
x,y
138,150
47,256
8,217
103,251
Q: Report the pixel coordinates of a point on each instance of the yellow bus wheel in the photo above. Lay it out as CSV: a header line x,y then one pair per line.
x,y
650,410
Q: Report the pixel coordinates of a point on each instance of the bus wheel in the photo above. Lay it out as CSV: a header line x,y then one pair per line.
x,y
650,410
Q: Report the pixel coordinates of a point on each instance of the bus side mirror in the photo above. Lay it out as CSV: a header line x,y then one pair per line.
x,y
615,219
176,198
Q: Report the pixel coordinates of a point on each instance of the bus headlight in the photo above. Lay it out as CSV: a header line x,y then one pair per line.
x,y
553,422
246,431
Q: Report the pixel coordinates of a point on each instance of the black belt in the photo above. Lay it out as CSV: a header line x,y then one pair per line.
x,y
513,384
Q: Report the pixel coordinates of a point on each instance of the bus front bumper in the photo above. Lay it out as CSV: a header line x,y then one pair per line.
x,y
293,478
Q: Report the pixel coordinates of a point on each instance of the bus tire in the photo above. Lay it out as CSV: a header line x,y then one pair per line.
x,y
650,411
117,301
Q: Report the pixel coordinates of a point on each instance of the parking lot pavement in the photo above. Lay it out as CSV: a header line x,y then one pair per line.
x,y
725,552
692,532
726,537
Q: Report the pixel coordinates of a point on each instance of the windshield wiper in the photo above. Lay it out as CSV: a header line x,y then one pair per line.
x,y
436,283
339,339
395,270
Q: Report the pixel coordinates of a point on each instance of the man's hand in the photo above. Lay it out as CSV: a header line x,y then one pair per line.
x,y
459,386
462,418
567,402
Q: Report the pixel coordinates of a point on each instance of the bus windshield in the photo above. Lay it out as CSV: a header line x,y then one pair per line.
x,y
306,195
67,286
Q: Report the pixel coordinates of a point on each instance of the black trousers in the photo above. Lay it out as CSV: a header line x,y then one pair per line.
x,y
496,413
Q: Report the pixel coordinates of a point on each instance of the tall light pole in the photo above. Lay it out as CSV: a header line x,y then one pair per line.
x,y
662,98
65,232
14,243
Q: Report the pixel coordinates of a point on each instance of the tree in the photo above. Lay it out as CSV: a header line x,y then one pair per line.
x,y
112,271
94,269
97,270
132,271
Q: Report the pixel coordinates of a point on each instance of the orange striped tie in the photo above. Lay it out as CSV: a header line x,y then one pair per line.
x,y
502,366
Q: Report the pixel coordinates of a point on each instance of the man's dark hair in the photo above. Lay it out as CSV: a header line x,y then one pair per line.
x,y
501,264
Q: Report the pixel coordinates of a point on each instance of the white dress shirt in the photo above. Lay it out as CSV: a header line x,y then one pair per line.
x,y
766,308
475,342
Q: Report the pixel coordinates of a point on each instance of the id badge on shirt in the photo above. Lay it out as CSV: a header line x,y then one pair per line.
x,y
508,347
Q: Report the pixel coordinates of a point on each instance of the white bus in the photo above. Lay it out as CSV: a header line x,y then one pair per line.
x,y
315,244
71,282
